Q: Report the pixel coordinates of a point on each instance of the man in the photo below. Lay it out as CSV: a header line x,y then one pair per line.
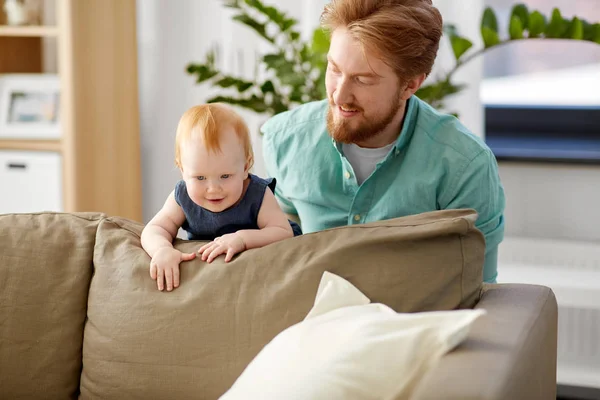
x,y
373,150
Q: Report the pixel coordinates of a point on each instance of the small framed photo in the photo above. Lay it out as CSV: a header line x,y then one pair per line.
x,y
29,106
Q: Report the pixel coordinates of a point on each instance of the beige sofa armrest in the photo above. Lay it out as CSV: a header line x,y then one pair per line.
x,y
510,352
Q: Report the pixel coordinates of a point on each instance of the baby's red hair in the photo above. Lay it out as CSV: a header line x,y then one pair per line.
x,y
209,120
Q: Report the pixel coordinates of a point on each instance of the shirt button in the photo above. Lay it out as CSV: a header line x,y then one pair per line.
x,y
347,175
357,217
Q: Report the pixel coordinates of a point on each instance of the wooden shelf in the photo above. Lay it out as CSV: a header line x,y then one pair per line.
x,y
31,145
99,143
28,31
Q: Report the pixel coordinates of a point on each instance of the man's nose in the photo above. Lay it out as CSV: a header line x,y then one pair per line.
x,y
343,94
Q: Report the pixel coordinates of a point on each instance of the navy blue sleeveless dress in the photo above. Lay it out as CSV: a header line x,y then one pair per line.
x,y
202,224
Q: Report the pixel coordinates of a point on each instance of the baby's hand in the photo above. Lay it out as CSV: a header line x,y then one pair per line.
x,y
229,244
165,266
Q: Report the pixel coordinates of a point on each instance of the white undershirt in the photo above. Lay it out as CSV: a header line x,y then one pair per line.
x,y
363,160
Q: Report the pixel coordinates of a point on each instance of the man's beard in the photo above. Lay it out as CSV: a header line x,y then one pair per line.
x,y
342,131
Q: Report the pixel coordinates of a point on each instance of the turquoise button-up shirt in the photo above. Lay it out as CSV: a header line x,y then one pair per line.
x,y
435,164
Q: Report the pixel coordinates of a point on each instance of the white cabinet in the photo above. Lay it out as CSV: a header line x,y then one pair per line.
x,y
30,181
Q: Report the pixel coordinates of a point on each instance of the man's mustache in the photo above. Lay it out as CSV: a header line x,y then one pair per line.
x,y
347,106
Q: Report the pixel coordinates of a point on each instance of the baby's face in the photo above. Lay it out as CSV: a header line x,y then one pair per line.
x,y
214,180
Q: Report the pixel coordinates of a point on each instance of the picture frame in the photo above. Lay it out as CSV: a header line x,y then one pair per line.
x,y
29,106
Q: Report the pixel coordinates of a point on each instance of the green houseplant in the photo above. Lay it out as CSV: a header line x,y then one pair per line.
x,y
297,68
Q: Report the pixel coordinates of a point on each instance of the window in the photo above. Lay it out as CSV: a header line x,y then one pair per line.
x,y
542,97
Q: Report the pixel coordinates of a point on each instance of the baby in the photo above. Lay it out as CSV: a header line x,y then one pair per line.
x,y
217,200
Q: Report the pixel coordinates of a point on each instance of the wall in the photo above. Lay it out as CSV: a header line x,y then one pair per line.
x,y
466,16
552,200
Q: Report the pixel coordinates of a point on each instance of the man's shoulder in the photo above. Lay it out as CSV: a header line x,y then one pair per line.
x,y
289,122
448,134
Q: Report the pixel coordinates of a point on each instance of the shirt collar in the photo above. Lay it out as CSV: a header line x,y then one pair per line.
x,y
408,124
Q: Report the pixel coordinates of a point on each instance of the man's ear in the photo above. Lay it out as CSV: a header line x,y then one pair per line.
x,y
412,86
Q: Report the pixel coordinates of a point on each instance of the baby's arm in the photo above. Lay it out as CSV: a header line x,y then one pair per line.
x,y
272,223
157,240
273,226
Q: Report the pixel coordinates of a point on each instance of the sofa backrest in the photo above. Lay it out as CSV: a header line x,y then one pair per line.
x,y
194,342
45,273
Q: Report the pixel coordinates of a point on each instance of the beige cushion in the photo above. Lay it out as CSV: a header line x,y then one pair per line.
x,y
194,342
45,272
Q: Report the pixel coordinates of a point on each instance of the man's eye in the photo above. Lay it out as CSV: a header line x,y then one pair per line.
x,y
200,178
225,176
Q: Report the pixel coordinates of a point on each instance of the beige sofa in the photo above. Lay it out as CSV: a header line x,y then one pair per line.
x,y
80,316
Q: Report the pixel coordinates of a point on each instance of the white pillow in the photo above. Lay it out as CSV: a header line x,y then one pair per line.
x,y
348,349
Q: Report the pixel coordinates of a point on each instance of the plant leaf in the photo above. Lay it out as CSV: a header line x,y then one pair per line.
x,y
243,86
575,29
225,82
229,81
293,79
557,26
320,42
296,95
203,72
278,63
489,28
450,29
489,20
490,38
537,24
520,11
427,93
232,4
259,28
267,87
287,24
588,30
460,45
515,29
284,69
274,15
254,102
434,93
591,32
279,108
